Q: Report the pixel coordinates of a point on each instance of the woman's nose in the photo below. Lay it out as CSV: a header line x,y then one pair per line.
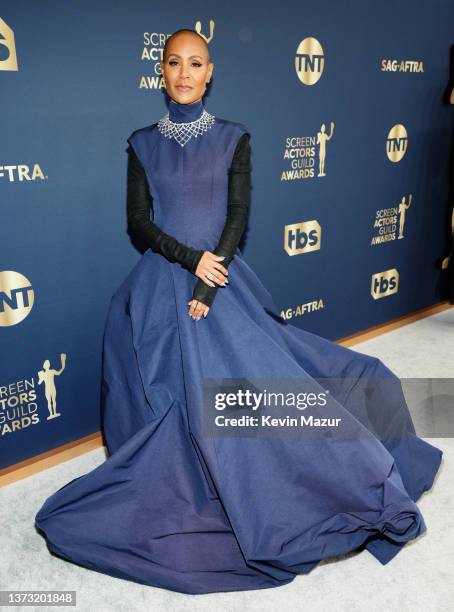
x,y
184,70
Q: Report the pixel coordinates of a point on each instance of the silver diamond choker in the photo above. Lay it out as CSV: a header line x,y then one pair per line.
x,y
182,132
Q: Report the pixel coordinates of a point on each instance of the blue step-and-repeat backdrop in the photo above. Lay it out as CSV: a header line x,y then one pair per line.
x,y
350,151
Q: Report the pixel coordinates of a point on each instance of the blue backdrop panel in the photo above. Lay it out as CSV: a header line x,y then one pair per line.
x,y
77,80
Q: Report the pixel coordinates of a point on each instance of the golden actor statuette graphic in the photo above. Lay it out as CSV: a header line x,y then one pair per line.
x,y
402,210
47,376
322,138
198,29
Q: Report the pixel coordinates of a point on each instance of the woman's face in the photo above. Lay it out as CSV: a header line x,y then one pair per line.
x,y
186,69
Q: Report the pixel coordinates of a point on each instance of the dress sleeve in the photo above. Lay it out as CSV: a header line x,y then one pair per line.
x,y
139,203
237,212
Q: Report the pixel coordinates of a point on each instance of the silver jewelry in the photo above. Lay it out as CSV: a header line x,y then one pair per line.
x,y
209,276
182,132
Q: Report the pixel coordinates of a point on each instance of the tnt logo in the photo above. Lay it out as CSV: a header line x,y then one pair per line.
x,y
396,143
302,237
384,283
16,298
8,57
309,61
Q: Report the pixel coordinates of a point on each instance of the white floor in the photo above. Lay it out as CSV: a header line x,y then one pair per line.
x,y
419,578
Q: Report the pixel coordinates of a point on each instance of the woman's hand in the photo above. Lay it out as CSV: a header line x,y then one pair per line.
x,y
197,309
210,269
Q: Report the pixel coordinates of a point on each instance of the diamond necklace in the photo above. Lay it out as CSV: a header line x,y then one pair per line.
x,y
182,132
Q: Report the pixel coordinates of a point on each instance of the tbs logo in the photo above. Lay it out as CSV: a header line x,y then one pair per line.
x,y
8,56
384,283
302,237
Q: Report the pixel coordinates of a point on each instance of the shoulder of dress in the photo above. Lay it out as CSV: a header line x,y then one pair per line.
x,y
236,127
143,130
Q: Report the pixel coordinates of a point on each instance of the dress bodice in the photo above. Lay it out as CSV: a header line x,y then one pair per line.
x,y
188,182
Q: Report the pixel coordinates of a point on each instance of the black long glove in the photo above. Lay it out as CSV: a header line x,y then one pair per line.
x,y
139,202
237,212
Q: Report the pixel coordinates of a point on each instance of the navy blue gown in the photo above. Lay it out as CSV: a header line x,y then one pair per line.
x,y
175,508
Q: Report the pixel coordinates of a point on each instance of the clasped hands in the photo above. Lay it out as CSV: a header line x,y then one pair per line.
x,y
211,271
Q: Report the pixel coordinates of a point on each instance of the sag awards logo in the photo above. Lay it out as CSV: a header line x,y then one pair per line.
x,y
396,143
309,61
384,283
387,219
394,65
153,47
8,55
302,237
302,153
16,298
18,406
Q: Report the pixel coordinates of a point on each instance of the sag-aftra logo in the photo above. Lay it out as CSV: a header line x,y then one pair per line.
x,y
21,172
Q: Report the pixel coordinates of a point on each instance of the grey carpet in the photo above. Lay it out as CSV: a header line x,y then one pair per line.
x,y
419,578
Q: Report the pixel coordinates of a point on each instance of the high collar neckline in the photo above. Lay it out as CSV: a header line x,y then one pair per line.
x,y
183,113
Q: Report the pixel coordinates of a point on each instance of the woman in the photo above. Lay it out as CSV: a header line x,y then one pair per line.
x,y
172,506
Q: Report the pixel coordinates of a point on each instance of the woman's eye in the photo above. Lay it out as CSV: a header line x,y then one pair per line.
x,y
172,62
